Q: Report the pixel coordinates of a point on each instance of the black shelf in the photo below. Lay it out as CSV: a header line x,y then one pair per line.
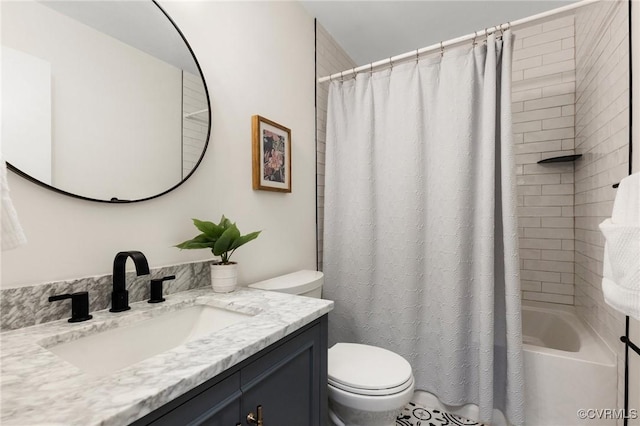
x,y
562,159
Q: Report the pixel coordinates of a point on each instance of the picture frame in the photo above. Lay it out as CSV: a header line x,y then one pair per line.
x,y
271,151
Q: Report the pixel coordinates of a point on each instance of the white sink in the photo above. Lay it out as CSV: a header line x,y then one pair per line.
x,y
103,353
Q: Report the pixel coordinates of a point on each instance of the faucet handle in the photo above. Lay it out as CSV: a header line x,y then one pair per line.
x,y
156,289
79,305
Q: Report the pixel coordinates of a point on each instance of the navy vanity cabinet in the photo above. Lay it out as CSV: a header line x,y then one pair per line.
x,y
286,382
288,379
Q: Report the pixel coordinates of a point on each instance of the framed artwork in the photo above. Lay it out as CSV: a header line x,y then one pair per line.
x,y
271,155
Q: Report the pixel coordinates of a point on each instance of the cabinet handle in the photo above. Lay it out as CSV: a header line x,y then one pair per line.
x,y
252,419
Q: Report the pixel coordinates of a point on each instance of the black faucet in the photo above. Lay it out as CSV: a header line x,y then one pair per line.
x,y
120,295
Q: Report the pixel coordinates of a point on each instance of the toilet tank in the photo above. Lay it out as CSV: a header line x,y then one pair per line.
x,y
304,283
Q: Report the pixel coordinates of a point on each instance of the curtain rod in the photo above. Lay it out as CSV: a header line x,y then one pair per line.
x,y
455,41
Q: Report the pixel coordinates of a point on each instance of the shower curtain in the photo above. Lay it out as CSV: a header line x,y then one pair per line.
x,y
421,239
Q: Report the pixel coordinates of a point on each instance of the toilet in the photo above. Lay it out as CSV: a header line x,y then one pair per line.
x,y
368,385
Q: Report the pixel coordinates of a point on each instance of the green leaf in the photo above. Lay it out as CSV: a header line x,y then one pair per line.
x,y
201,241
244,240
209,228
225,223
198,245
188,245
223,244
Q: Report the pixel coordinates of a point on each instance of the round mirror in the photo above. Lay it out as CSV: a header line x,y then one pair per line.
x,y
101,100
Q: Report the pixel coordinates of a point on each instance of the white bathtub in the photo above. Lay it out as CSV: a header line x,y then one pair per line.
x,y
567,367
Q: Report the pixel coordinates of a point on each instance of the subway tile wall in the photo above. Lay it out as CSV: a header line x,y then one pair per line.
x,y
330,59
602,137
194,128
543,97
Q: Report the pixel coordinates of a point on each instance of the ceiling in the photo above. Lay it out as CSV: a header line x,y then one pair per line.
x,y
372,30
368,30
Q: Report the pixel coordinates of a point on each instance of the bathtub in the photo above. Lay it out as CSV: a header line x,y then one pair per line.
x,y
567,367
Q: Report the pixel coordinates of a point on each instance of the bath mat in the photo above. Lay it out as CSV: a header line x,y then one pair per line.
x,y
417,415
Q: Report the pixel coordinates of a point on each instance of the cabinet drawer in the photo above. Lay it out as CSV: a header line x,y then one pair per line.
x,y
280,355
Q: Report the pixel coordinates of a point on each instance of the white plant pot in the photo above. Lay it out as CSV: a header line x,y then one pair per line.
x,y
224,277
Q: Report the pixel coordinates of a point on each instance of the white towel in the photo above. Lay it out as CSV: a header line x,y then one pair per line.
x,y
621,268
12,233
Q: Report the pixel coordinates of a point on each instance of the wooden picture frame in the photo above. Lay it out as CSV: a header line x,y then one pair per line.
x,y
271,155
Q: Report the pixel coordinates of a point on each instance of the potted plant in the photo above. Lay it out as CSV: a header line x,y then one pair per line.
x,y
223,239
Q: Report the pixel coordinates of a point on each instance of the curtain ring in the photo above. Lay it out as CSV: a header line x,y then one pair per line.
x,y
390,63
475,36
353,70
441,50
417,55
371,68
341,76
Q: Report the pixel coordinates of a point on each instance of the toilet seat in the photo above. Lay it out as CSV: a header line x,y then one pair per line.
x,y
368,370
369,403
372,392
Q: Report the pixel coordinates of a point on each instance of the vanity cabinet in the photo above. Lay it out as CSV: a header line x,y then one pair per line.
x,y
288,379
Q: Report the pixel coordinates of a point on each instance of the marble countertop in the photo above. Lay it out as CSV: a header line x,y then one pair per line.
x,y
39,388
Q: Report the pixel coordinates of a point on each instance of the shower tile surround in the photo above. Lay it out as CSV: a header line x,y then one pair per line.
x,y
543,97
26,306
561,205
602,135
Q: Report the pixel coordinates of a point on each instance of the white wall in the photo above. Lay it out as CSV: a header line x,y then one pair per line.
x,y
258,58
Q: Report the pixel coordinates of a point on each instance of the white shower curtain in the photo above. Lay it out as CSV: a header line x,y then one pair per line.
x,y
421,239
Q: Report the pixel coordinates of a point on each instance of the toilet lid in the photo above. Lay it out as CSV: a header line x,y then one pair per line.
x,y
364,367
373,392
